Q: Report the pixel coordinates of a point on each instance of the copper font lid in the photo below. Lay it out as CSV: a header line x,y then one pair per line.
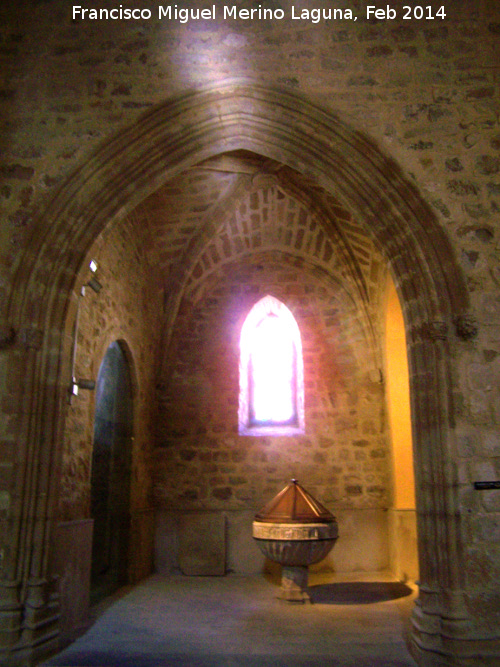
x,y
294,505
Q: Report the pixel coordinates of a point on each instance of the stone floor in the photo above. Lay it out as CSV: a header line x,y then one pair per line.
x,y
237,621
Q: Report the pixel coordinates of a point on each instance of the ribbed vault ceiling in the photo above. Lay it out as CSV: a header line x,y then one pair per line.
x,y
239,203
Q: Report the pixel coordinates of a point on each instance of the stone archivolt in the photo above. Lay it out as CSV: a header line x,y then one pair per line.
x,y
166,142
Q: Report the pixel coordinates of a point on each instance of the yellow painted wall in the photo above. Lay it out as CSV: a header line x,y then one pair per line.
x,y
398,401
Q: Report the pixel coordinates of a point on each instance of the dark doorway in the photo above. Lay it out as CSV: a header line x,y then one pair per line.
x,y
110,479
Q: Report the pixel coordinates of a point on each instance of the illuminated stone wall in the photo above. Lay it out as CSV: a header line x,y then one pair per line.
x,y
117,313
411,102
203,463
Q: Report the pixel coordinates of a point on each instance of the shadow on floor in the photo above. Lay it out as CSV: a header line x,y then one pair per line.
x,y
359,592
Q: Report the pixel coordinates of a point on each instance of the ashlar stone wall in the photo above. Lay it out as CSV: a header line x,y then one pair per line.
x,y
425,93
343,454
202,463
125,310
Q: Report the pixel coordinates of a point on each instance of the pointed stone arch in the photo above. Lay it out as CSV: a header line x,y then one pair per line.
x,y
286,128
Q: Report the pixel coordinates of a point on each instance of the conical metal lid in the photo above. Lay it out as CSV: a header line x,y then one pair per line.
x,y
294,505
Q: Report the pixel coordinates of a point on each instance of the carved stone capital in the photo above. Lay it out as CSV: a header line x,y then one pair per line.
x,y
437,330
466,327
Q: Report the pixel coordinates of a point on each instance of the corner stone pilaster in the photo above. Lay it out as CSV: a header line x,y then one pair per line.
x,y
10,616
29,632
443,635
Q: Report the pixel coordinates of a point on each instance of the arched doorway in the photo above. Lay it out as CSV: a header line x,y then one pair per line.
x,y
284,127
110,473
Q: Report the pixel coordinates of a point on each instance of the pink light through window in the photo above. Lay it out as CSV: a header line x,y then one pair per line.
x,y
272,365
271,372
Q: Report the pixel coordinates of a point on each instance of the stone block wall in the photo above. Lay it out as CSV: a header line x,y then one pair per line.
x,y
424,93
203,463
119,312
424,90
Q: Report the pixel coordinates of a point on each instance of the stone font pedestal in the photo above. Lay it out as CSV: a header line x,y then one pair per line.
x,y
294,579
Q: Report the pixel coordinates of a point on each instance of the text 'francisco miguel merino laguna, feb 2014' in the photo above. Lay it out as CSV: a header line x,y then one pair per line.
x,y
259,13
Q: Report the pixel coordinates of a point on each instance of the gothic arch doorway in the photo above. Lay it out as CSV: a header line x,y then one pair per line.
x,y
282,126
110,473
